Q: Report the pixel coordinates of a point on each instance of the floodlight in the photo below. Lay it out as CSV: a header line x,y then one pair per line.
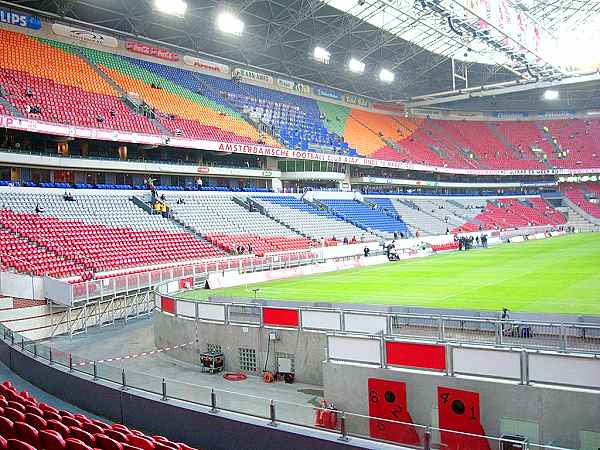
x,y
321,55
356,66
386,76
228,23
551,94
171,7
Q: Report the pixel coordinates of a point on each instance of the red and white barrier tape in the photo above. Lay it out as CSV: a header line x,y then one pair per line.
x,y
136,355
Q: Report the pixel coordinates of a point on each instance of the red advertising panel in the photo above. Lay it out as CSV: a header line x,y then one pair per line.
x,y
186,283
387,400
421,356
459,411
149,50
280,317
167,305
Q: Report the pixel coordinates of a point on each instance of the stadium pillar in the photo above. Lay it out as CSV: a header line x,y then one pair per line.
x,y
449,361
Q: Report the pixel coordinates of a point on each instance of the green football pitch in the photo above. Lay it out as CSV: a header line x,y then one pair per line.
x,y
559,275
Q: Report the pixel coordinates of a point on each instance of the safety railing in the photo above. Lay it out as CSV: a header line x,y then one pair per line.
x,y
536,335
345,424
99,288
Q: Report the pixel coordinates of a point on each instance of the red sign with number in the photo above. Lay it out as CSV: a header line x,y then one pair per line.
x,y
459,411
387,400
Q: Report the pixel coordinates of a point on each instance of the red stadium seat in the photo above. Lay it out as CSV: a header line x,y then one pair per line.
x,y
92,428
26,433
76,444
14,415
116,435
15,444
84,436
6,428
70,421
105,443
144,443
60,427
51,440
52,415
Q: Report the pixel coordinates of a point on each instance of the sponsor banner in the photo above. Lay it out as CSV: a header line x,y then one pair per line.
x,y
356,100
293,86
17,123
510,115
327,93
393,107
150,50
88,36
557,114
254,76
448,184
20,20
204,65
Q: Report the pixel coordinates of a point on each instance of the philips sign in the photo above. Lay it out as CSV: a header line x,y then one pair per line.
x,y
20,20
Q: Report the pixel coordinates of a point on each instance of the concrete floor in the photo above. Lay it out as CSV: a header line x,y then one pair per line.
x,y
293,402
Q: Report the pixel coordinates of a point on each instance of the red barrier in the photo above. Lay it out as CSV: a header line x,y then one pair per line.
x,y
281,317
421,356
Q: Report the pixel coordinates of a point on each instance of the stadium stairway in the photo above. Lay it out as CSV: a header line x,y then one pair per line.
x,y
7,107
208,87
123,95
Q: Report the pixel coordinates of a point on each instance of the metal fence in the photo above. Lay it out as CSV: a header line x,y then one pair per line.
x,y
536,335
100,288
347,424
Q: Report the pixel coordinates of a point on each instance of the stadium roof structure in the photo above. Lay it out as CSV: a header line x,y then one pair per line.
x,y
432,46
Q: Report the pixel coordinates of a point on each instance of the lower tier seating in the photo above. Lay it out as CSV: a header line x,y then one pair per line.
x,y
99,248
364,217
27,424
259,245
310,221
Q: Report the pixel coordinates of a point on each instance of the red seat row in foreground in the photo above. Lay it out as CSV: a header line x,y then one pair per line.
x,y
26,424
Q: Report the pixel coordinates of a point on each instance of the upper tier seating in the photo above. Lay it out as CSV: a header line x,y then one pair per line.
x,y
296,120
62,86
491,152
336,117
310,221
171,98
363,216
27,424
523,137
68,90
579,138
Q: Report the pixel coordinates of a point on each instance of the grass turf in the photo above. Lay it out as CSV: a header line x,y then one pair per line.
x,y
559,275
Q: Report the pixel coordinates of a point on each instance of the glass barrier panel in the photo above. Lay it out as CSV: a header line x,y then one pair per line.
x,y
83,365
188,392
109,372
242,403
144,382
296,413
